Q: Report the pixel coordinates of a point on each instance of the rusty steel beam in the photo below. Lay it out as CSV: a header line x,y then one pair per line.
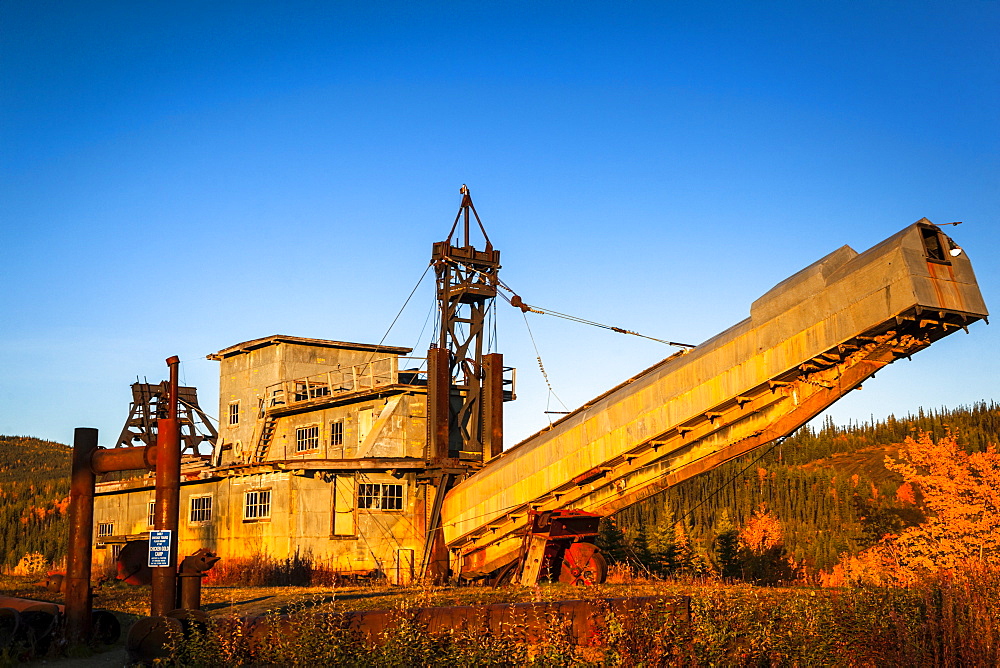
x,y
123,459
168,493
81,534
438,403
492,405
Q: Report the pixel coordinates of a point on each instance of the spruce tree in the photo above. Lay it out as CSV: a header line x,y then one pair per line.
x,y
611,541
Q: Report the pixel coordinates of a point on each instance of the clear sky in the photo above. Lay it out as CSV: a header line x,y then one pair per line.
x,y
179,177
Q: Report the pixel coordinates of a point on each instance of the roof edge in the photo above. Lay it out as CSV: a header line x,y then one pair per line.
x,y
275,339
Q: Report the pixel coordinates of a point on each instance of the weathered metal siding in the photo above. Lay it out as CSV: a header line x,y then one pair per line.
x,y
301,520
397,430
827,304
246,372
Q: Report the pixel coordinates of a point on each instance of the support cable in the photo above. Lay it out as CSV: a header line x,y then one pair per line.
x,y
515,301
401,309
538,356
777,442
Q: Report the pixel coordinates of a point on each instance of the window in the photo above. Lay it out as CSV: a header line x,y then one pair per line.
x,y
116,549
307,438
932,245
257,505
151,513
234,413
201,510
380,496
337,433
105,529
306,391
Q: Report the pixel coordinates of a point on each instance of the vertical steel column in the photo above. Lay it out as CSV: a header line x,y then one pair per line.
x,y
438,403
168,492
492,405
81,536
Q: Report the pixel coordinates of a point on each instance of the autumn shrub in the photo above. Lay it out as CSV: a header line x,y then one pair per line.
x,y
32,563
264,570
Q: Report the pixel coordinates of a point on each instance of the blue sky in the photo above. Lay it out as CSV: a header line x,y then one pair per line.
x,y
176,178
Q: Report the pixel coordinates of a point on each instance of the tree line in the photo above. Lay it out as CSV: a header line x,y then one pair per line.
x,y
825,492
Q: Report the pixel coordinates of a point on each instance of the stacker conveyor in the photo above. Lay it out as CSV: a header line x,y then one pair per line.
x,y
808,341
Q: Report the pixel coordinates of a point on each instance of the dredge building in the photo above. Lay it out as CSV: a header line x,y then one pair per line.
x,y
324,448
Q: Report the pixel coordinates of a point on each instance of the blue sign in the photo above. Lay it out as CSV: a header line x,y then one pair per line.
x,y
159,548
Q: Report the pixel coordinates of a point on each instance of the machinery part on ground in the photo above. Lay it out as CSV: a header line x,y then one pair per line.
x,y
133,563
583,564
149,638
192,570
809,341
10,626
43,620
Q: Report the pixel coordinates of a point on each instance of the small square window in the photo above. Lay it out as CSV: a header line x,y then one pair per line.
x,y
380,497
105,529
307,438
234,413
257,505
201,510
337,433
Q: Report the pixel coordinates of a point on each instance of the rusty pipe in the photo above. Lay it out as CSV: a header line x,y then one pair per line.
x,y
81,534
168,492
123,459
192,570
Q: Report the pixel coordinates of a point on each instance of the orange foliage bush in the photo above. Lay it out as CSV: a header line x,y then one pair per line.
x,y
762,531
960,492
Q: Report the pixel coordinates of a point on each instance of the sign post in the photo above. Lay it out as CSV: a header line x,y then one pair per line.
x,y
159,548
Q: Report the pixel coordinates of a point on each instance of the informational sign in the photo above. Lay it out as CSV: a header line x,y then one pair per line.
x,y
159,547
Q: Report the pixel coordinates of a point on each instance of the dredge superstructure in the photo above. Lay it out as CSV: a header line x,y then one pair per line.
x,y
380,464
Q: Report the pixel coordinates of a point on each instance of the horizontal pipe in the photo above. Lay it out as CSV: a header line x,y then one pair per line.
x,y
123,459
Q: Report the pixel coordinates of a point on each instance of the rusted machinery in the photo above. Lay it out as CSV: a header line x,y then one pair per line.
x,y
811,339
165,458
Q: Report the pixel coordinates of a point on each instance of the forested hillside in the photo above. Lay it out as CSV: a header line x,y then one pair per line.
x,y
820,493
34,496
824,491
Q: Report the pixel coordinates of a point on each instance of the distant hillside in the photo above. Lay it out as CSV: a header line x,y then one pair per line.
x,y
34,497
827,487
24,457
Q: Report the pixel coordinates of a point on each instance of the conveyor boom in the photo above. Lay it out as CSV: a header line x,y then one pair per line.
x,y
808,341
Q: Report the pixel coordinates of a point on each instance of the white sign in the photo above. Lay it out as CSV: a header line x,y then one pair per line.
x,y
159,548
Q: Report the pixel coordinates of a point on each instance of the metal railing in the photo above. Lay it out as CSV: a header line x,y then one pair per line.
x,y
347,380
359,378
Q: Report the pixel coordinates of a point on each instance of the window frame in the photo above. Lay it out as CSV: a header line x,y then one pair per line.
x,y
151,514
234,413
257,505
337,433
313,440
105,529
379,495
206,511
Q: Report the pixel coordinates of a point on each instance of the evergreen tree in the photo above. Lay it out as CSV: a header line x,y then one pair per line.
x,y
663,548
611,541
727,547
